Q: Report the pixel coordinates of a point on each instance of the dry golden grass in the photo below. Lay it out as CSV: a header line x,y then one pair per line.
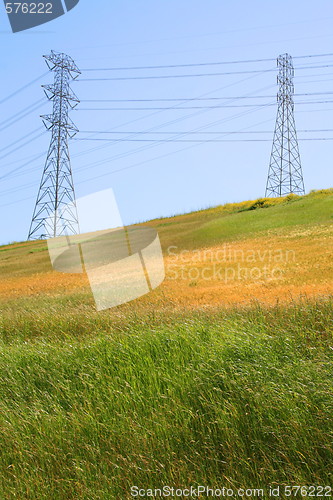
x,y
294,265
42,284
223,256
265,269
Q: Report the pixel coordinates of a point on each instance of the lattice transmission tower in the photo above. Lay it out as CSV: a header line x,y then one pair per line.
x,y
285,169
55,212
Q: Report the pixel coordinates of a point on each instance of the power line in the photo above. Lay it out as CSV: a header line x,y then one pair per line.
x,y
175,76
313,75
17,161
16,202
174,133
313,110
180,118
194,132
22,111
32,108
152,159
166,108
158,77
201,98
22,145
223,120
203,141
156,127
127,68
149,146
239,97
21,139
315,81
196,143
122,155
314,55
23,88
216,106
185,99
9,174
215,63
16,189
116,157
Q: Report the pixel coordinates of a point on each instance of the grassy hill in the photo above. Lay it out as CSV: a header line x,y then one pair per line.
x,y
263,250
222,376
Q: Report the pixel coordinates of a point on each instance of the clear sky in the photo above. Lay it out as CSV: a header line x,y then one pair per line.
x,y
152,179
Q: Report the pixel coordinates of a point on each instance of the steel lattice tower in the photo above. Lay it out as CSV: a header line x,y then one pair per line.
x,y
55,211
285,170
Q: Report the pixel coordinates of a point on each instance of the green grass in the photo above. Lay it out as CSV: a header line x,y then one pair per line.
x,y
240,398
309,210
93,403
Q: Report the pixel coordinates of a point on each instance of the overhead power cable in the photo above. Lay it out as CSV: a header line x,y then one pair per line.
x,y
116,157
17,201
216,106
210,132
17,188
195,143
191,65
22,145
203,141
95,148
144,162
215,63
9,174
313,55
153,145
158,77
314,81
150,160
185,99
21,139
143,148
20,115
132,121
181,108
17,161
313,75
185,117
23,88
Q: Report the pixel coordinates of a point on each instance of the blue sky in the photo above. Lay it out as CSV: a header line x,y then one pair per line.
x,y
158,178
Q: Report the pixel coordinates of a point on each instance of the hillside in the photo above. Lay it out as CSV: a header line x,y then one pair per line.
x,y
264,250
197,383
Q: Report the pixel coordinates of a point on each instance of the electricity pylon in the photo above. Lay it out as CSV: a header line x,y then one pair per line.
x,y
285,170
55,211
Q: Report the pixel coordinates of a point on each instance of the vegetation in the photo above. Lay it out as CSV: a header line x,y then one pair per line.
x,y
175,388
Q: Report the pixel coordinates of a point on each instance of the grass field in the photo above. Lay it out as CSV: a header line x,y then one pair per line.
x,y
219,378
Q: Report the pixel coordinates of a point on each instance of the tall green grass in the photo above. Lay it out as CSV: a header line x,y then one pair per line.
x,y
238,398
93,403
